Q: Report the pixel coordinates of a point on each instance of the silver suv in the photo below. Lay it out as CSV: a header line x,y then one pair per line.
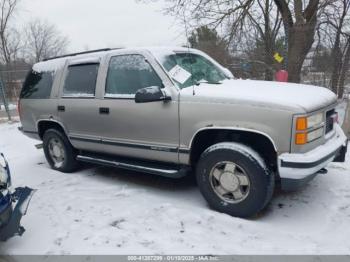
x,y
167,111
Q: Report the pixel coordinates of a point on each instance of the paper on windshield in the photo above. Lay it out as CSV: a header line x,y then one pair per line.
x,y
180,74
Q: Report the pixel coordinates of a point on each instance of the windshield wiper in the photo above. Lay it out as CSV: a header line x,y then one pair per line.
x,y
207,82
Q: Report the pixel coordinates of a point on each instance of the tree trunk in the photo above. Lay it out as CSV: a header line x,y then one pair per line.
x,y
301,38
344,70
269,43
269,61
336,64
300,33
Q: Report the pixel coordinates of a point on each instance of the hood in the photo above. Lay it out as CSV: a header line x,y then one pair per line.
x,y
288,96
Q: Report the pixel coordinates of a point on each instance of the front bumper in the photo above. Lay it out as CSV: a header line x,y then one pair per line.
x,y
296,170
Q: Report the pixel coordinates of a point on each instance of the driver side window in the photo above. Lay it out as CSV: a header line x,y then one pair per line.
x,y
129,73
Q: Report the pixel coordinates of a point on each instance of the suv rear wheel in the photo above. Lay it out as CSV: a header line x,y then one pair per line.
x,y
234,179
59,153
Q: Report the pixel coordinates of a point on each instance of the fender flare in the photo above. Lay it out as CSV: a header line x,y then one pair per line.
x,y
233,129
53,121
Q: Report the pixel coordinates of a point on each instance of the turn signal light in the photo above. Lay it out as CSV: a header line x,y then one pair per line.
x,y
301,123
301,138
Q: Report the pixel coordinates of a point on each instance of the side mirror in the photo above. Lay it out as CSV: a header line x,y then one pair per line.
x,y
151,94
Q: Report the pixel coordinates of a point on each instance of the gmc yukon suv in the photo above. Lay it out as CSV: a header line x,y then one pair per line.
x,y
170,111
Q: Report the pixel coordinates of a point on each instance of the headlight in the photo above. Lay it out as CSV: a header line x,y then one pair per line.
x,y
314,120
304,123
313,135
303,126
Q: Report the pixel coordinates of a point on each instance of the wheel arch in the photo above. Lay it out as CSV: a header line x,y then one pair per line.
x,y
45,124
208,136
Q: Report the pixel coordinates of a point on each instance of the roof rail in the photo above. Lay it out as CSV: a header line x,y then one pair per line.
x,y
80,53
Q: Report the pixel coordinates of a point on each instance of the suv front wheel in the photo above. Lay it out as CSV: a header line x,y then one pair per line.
x,y
59,152
234,179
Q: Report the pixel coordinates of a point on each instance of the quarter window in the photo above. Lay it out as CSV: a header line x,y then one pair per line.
x,y
81,80
129,73
38,85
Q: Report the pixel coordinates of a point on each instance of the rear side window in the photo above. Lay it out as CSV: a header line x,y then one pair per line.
x,y
81,80
38,85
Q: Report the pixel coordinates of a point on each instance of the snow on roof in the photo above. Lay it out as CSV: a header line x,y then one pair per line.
x,y
57,63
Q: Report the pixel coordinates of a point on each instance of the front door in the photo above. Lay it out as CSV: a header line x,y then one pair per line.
x,y
146,130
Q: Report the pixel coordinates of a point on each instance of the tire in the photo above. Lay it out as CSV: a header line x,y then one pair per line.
x,y
65,160
234,179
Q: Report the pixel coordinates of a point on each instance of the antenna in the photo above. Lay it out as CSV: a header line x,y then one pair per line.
x,y
188,49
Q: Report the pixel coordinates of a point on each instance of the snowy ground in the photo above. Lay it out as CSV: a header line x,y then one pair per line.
x,y
108,211
341,109
10,106
3,114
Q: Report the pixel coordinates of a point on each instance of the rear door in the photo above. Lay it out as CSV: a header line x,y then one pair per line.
x,y
77,105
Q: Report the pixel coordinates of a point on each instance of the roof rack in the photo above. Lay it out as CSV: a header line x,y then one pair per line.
x,y
80,53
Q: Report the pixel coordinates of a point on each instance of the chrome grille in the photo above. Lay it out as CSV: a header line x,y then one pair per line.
x,y
330,121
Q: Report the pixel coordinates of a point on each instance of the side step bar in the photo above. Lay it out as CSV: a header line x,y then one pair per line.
x,y
134,165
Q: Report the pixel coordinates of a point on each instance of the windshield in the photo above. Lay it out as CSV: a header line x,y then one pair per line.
x,y
188,69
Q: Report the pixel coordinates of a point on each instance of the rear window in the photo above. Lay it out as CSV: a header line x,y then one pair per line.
x,y
81,80
37,85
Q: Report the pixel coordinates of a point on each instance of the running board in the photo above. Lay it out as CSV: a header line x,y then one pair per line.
x,y
135,165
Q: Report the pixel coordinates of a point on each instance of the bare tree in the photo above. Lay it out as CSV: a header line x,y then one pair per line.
x,y
299,18
44,41
267,23
9,40
238,21
332,31
344,69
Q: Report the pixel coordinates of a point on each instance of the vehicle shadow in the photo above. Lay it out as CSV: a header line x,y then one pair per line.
x,y
294,203
143,179
281,201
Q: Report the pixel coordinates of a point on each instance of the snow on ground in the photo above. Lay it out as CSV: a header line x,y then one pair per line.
x,y
341,109
108,211
10,106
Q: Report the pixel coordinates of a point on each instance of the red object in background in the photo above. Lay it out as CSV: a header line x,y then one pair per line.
x,y
281,76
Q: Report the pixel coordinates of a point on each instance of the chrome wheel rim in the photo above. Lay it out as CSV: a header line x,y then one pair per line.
x,y
56,151
230,182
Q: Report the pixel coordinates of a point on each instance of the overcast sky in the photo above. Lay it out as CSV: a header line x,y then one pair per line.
x,y
105,23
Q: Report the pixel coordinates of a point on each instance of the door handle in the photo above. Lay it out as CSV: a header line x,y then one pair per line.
x,y
104,110
61,108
